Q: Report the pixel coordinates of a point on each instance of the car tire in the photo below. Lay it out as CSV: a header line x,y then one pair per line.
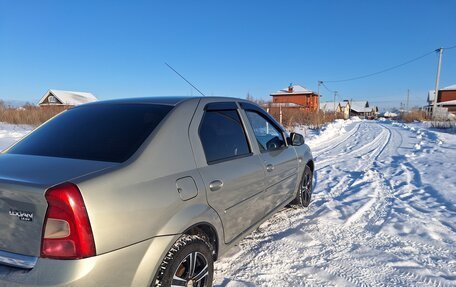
x,y
304,195
189,262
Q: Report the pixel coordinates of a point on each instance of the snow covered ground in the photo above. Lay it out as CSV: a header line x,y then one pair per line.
x,y
383,213
9,134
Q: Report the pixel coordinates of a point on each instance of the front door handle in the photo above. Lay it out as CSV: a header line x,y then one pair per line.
x,y
215,185
269,167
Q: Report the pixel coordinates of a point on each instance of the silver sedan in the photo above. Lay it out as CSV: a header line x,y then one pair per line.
x,y
143,192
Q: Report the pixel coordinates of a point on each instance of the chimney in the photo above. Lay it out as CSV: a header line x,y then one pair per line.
x,y
290,88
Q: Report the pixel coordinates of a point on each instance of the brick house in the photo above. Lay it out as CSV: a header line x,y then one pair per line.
x,y
297,95
446,98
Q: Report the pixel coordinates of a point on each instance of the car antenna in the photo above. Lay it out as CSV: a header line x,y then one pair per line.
x,y
169,66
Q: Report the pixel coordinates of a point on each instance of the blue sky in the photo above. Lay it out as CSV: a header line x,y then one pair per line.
x,y
117,49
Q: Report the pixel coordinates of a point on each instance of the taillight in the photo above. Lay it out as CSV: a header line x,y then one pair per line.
x,y
67,232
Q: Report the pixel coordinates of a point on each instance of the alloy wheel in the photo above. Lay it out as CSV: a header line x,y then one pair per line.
x,y
192,271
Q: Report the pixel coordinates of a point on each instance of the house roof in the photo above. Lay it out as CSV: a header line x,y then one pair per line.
x,y
297,90
360,106
328,106
449,88
70,98
448,103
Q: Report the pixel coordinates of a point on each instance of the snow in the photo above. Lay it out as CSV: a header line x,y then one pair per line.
x,y
383,213
390,115
329,106
360,106
449,88
447,103
297,89
9,134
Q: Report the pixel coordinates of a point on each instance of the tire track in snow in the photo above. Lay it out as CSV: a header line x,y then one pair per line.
x,y
363,151
338,141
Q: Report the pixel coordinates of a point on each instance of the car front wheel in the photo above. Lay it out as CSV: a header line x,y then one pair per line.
x,y
304,195
188,263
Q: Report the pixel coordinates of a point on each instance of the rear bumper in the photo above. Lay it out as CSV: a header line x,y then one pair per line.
x,y
134,265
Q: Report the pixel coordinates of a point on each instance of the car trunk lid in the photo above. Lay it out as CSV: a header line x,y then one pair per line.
x,y
23,183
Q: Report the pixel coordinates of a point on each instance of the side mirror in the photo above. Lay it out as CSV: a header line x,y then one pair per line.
x,y
296,139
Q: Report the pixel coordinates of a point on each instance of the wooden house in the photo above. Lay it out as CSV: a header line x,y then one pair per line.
x,y
362,109
65,98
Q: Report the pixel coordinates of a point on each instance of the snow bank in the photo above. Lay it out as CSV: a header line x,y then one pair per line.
x,y
315,137
9,134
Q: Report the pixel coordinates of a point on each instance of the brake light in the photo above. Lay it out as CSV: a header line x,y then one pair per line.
x,y
67,232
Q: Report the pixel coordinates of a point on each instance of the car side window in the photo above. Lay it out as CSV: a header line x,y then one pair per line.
x,y
222,136
269,138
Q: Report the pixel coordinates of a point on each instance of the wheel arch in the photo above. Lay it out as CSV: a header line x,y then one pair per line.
x,y
208,231
197,219
311,165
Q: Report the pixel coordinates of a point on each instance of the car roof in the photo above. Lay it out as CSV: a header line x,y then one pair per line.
x,y
172,101
167,100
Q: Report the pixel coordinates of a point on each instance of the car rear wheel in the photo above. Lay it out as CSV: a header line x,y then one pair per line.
x,y
304,195
188,263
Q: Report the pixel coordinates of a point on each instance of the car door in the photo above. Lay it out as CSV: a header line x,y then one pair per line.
x,y
233,173
279,158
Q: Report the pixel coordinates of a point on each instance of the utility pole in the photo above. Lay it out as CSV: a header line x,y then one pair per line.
x,y
319,83
407,102
318,103
280,113
335,94
436,93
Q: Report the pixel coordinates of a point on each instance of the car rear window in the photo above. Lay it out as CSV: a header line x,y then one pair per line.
x,y
100,132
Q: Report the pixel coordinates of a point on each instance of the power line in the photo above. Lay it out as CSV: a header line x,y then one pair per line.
x,y
387,69
328,89
449,48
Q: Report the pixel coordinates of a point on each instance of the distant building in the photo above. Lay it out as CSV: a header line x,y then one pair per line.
x,y
330,107
65,98
345,107
362,109
338,107
446,98
298,95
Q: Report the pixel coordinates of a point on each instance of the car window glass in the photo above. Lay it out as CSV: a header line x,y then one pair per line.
x,y
222,135
268,136
100,132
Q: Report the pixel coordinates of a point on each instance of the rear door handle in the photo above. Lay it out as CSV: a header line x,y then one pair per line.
x,y
269,167
215,185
